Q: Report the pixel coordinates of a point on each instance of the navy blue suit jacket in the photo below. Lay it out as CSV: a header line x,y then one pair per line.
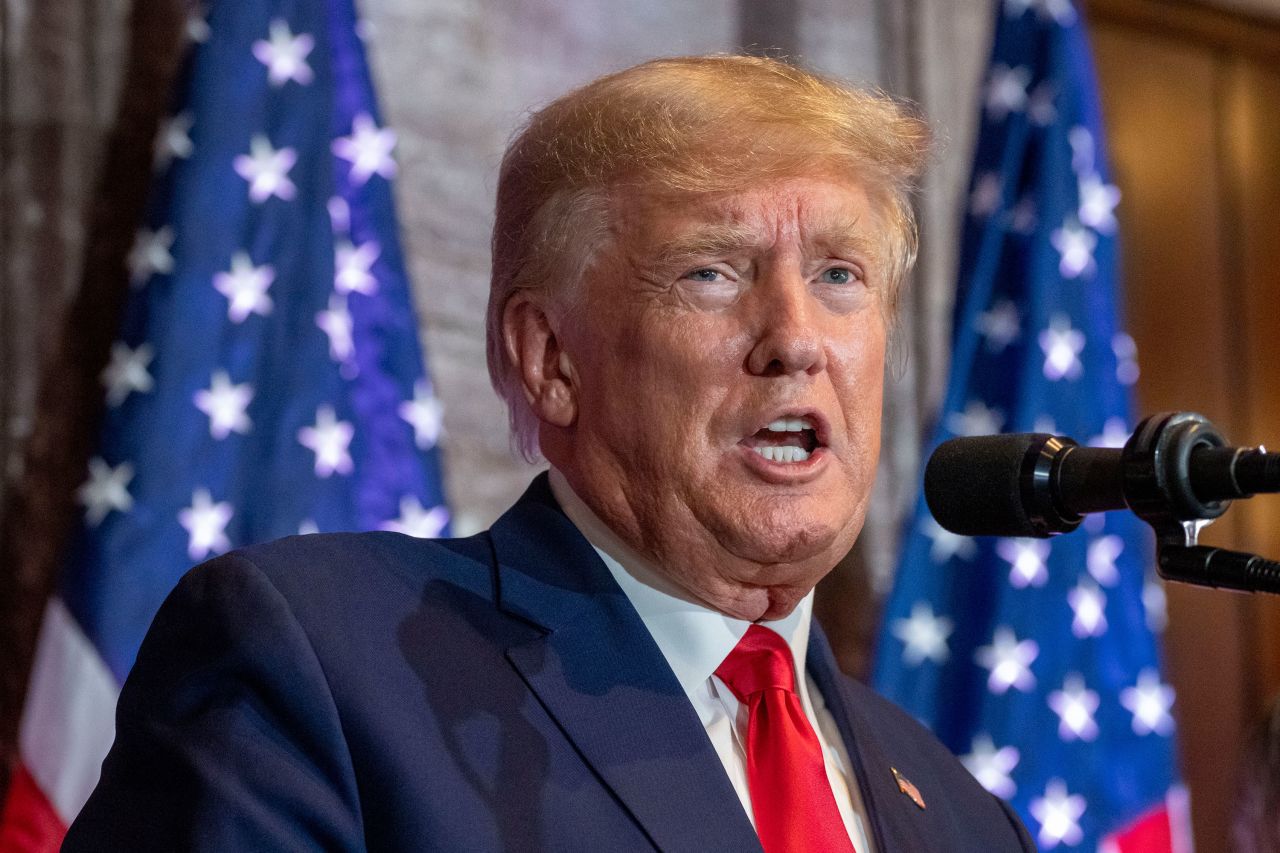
x,y
497,693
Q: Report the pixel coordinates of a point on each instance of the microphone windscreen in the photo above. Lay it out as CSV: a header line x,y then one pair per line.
x,y
973,485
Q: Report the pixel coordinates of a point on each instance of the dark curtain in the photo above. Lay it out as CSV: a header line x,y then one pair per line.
x,y
74,162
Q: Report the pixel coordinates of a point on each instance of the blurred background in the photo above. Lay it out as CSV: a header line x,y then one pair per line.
x,y
1191,97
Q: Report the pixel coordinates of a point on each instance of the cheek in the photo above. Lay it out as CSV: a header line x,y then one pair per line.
x,y
860,366
687,356
650,379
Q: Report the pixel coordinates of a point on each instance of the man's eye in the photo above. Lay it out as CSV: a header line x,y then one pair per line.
x,y
704,274
838,275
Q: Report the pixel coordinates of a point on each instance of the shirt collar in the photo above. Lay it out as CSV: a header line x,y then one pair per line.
x,y
692,637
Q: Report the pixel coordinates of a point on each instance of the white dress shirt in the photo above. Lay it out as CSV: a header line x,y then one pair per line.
x,y
696,639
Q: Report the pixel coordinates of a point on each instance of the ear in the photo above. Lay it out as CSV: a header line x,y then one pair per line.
x,y
545,369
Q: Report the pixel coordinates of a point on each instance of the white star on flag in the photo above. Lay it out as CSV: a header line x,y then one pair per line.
x,y
1075,706
173,140
352,265
425,414
205,523
245,287
992,766
1058,813
196,28
1041,106
987,194
1075,247
417,521
1098,204
1007,90
1062,346
1027,561
1115,432
368,149
947,544
1149,701
1154,604
106,489
329,439
225,405
1088,606
976,419
999,325
336,323
285,54
127,372
1024,217
1009,660
1045,424
150,254
339,214
1081,142
1060,11
267,170
924,635
1126,352
1101,559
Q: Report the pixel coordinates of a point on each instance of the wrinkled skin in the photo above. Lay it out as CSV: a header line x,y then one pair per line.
x,y
702,320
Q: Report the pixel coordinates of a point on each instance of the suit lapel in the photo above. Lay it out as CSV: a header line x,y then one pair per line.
x,y
599,673
894,818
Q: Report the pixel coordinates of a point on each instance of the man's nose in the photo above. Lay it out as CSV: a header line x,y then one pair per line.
x,y
789,339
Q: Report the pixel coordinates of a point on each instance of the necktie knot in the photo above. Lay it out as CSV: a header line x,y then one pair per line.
x,y
791,797
760,661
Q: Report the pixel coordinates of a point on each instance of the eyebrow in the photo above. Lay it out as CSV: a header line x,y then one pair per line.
x,y
845,237
706,240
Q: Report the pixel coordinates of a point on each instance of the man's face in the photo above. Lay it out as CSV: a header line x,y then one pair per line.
x,y
728,361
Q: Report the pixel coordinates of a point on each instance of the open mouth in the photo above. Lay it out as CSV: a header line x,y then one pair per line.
x,y
789,439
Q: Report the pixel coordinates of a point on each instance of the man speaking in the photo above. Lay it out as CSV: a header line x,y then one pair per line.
x,y
696,267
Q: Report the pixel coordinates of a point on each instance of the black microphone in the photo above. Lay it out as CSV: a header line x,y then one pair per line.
x,y
1034,484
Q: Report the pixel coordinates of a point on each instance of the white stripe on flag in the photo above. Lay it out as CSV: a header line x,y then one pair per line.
x,y
68,722
1178,802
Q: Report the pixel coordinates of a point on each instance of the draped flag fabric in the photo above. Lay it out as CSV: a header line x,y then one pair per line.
x,y
267,379
1036,660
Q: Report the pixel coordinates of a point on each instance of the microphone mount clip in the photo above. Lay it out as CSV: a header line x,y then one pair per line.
x,y
1157,487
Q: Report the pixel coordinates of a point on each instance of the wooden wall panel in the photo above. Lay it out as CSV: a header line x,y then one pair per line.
x,y
1251,124
1194,125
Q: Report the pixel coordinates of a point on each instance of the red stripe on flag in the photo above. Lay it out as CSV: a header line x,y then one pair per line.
x,y
1151,833
28,823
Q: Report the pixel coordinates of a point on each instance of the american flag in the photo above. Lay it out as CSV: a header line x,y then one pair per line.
x,y
1037,660
267,379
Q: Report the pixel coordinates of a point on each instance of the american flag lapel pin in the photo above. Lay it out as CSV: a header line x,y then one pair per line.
x,y
906,787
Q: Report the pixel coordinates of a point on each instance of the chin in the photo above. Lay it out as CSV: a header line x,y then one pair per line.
x,y
786,537
786,532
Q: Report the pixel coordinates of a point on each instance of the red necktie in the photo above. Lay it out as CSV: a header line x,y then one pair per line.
x,y
790,794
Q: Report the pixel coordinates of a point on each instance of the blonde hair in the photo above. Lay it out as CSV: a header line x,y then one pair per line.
x,y
685,124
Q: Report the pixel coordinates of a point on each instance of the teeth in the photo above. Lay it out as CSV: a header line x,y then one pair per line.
x,y
783,454
789,425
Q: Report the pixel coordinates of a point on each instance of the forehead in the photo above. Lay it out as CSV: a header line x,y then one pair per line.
x,y
808,209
